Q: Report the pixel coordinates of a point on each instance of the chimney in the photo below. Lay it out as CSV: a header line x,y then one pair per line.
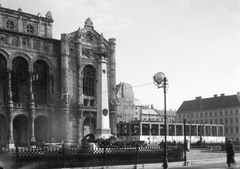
x,y
152,106
222,94
215,95
199,97
238,93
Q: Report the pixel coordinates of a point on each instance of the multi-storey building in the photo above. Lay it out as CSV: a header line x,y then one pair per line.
x,y
223,109
54,89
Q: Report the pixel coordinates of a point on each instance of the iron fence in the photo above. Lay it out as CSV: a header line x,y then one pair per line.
x,y
79,157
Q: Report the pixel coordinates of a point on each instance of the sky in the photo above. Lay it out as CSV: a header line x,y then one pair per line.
x,y
195,43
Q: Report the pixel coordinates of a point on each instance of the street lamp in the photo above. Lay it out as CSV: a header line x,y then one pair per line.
x,y
160,80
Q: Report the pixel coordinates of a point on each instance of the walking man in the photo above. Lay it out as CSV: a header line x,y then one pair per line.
x,y
230,152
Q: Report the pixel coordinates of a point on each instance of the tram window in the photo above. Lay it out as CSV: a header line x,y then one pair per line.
x,y
135,129
145,129
154,129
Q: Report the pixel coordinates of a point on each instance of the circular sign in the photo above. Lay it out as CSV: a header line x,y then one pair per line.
x,y
105,112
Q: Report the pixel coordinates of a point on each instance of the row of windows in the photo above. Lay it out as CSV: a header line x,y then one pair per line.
x,y
217,121
231,130
209,114
10,25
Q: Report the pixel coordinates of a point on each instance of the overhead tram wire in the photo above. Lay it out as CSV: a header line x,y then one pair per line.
x,y
141,85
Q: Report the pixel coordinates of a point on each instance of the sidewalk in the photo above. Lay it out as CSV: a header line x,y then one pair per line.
x,y
219,163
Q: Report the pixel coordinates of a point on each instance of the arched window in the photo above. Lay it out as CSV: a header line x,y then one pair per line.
x,y
89,82
3,78
40,81
20,80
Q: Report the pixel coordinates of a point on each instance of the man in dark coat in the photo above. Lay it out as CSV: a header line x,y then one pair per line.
x,y
230,152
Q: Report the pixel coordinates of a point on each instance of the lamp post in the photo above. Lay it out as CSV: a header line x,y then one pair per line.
x,y
160,80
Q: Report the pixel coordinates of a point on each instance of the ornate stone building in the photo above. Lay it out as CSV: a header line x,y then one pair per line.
x,y
50,89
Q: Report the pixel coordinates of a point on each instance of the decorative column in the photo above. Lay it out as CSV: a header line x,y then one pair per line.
x,y
10,111
113,97
103,122
51,103
64,87
79,66
79,115
31,108
103,126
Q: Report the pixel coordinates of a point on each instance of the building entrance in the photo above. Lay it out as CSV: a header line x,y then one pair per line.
x,y
20,130
41,129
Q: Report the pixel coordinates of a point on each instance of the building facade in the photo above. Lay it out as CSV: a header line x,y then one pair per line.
x,y
125,102
54,90
217,110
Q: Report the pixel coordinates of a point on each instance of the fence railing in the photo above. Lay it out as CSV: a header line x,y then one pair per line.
x,y
79,157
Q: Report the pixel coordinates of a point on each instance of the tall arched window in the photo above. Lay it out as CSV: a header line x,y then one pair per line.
x,y
20,80
89,80
3,78
40,81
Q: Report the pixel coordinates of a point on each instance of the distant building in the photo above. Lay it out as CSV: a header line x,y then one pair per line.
x,y
131,109
138,106
169,113
125,99
220,110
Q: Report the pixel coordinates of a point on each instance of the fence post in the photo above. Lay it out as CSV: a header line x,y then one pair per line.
x,y
104,161
17,156
63,149
137,154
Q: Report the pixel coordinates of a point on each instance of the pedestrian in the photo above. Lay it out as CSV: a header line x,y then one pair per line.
x,y
230,152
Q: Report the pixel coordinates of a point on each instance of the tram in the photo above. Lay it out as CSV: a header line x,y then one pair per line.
x,y
153,132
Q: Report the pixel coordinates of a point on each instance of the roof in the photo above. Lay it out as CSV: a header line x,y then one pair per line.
x,y
137,102
216,102
168,112
149,111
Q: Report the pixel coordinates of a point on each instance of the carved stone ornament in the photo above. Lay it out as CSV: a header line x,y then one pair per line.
x,y
105,112
31,97
49,15
3,39
87,52
89,22
65,98
15,40
25,42
79,34
10,93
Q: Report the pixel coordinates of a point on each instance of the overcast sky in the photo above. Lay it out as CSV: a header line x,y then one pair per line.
x,y
194,42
